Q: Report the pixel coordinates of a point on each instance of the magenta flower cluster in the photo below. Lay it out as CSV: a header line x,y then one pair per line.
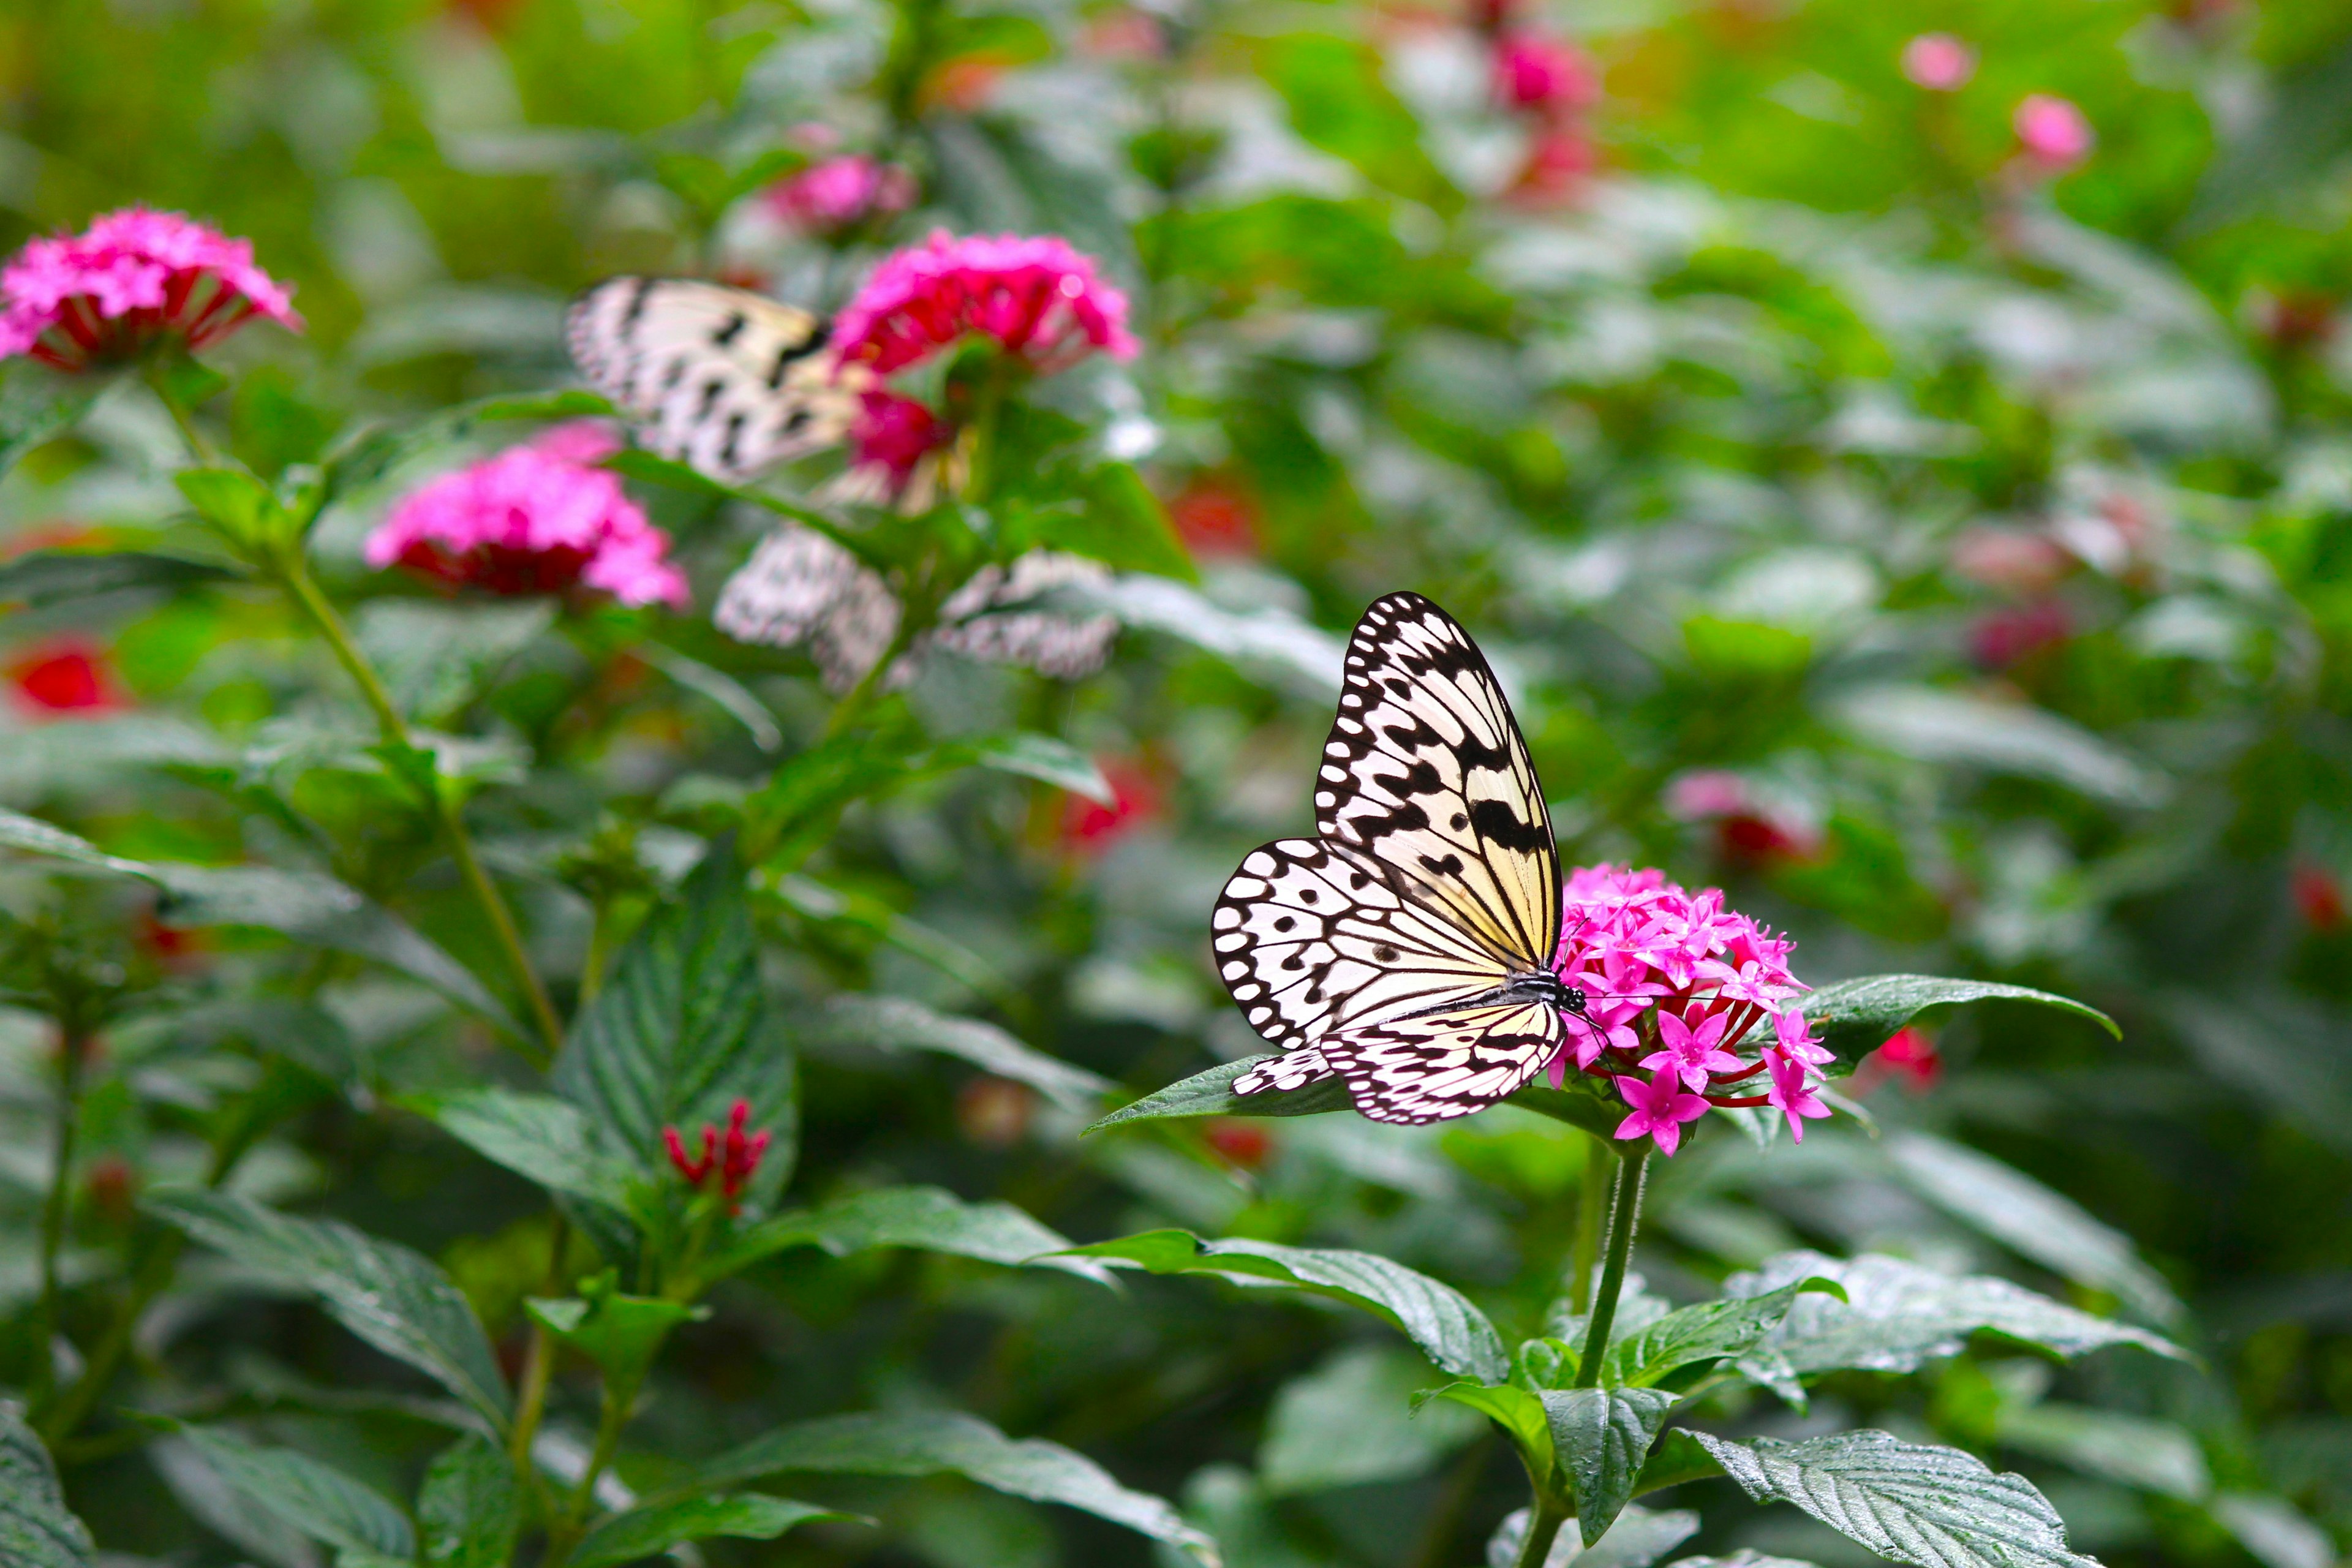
x,y
839,194
1674,982
536,518
134,277
1036,297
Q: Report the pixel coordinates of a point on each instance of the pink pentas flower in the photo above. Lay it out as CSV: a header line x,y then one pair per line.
x,y
1660,1106
841,192
133,279
1790,1094
893,434
1939,62
1035,296
1548,75
1674,983
2052,132
536,518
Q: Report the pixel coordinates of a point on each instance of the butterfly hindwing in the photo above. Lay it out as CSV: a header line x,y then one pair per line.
x,y
726,381
1445,1064
1425,770
1311,935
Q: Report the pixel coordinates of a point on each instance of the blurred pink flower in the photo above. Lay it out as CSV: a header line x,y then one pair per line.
x,y
2053,134
1659,1107
1939,62
1037,298
893,434
536,518
841,192
1748,830
2014,559
134,277
1703,792
1561,159
2000,638
1532,72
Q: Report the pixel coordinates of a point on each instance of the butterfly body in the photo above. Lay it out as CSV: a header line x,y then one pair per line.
x,y
1407,947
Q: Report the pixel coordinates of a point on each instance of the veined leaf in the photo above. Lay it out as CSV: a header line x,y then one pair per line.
x,y
621,1334
1712,1330
1675,1458
926,1217
396,1299
2159,1456
551,1140
652,1531
896,1022
1299,656
1897,1315
36,1529
1930,1507
1853,1018
38,404
1518,1412
1210,1093
1032,756
1746,1557
1452,1332
684,1029
926,1443
1353,1420
40,577
1639,1538
1602,1435
469,1507
315,1499
1930,724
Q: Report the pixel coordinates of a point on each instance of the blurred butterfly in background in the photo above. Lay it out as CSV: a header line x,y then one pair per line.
x,y
1407,947
726,381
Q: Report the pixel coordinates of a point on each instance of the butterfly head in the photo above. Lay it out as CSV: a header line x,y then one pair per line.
x,y
1545,986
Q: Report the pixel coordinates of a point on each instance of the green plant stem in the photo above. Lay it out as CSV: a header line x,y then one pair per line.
x,y
1625,1217
869,686
1591,1215
182,416
538,1370
1543,1527
299,583
73,1047
566,1532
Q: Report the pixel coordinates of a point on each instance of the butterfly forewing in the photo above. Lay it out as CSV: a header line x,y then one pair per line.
x,y
1445,1064
1425,770
1311,936
724,379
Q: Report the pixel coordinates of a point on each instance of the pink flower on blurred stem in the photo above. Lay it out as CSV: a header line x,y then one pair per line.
x,y
1538,73
1939,62
1660,1106
2053,134
1036,297
841,192
735,1157
1789,1094
133,279
536,518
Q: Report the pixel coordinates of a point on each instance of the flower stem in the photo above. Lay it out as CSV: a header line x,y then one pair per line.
x,y
538,1369
1591,1215
1624,1216
567,1532
159,382
1543,1528
73,1047
296,575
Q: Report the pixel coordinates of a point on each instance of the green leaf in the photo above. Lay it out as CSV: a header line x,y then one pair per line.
x,y
722,689
621,1334
1301,657
926,1217
1896,1315
371,452
2031,1220
1032,756
1452,1332
551,1140
2159,1456
36,1530
896,1022
1602,1435
434,658
1853,1018
1928,1506
36,837
239,506
44,577
1675,1458
1638,1538
1121,524
396,1299
684,1029
1712,1330
786,819
38,404
1746,1557
650,1532
1519,1412
1210,1093
1353,1421
1932,725
469,1508
315,1499
930,1442
1600,1117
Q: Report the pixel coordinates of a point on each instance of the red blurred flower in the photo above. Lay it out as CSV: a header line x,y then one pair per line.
x,y
113,1188
1244,1142
1748,830
66,675
1213,516
175,947
1549,76
1561,159
2295,318
1089,827
2318,896
1909,1054
735,1157
965,84
995,1112
1038,298
2001,639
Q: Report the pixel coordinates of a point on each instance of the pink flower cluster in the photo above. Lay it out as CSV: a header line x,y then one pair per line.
x,y
1552,83
536,518
1036,297
1672,983
132,278
839,194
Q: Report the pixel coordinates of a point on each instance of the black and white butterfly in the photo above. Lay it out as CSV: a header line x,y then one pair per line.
x,y
726,381
1407,947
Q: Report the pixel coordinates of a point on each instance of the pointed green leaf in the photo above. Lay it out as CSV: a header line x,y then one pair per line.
x,y
1452,1332
931,1442
926,1217
314,1497
1040,757
2159,1456
896,1022
1602,1435
469,1508
1746,1557
1853,1018
40,577
1675,1458
1210,1093
36,1529
1638,1538
1712,1330
652,1531
1518,1412
621,1334
396,1299
551,1140
1354,1419
1930,1507
684,1029
38,404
